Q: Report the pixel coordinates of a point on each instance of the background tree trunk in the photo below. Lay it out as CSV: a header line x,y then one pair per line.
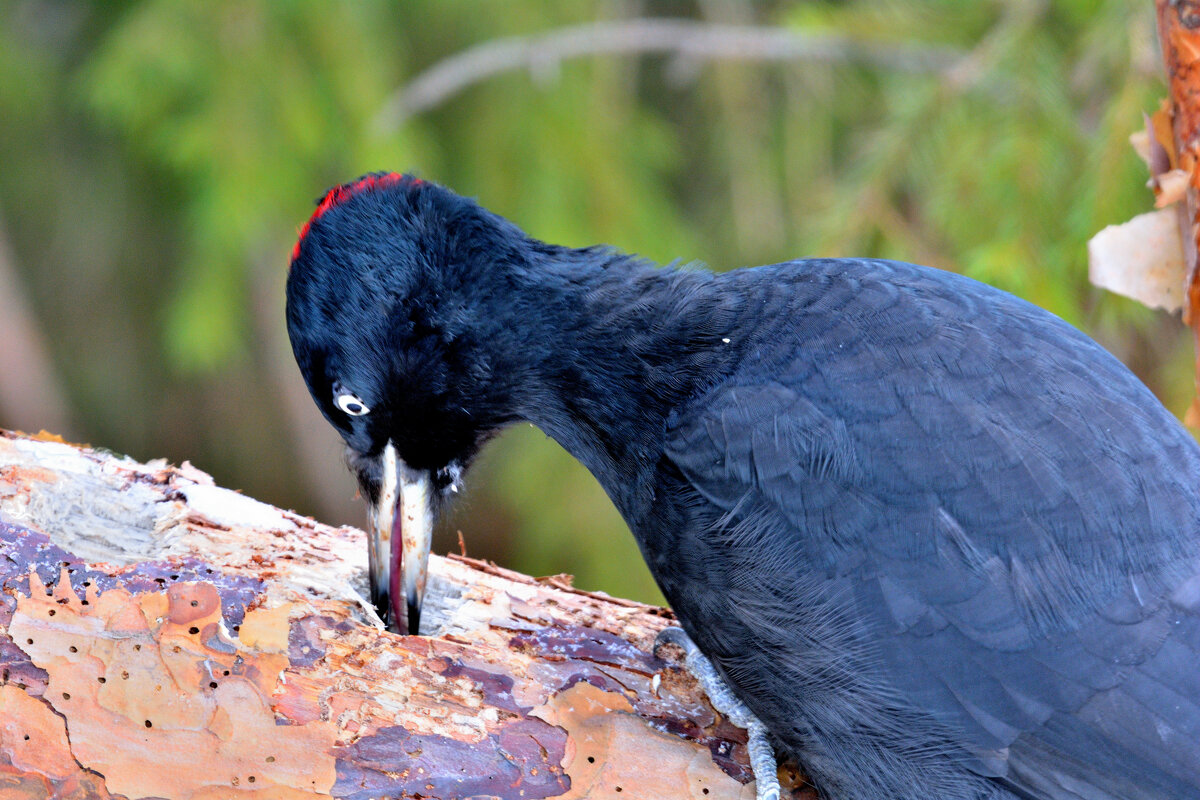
x,y
164,637
1179,33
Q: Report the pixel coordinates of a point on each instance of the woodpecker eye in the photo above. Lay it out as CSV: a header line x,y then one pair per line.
x,y
351,404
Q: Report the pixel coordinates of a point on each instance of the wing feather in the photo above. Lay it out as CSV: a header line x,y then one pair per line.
x,y
996,515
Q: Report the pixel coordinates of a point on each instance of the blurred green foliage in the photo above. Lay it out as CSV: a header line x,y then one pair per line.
x,y
158,157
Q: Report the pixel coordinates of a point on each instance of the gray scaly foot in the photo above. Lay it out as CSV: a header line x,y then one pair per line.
x,y
762,755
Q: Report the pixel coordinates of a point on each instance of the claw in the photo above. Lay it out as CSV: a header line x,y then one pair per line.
x,y
762,754
676,636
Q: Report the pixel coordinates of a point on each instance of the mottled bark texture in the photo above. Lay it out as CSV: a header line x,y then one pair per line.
x,y
164,637
1179,32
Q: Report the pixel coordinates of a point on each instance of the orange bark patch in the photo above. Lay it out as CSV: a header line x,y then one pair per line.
x,y
34,738
612,754
159,699
18,476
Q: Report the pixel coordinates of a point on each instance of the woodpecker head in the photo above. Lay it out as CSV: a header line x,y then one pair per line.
x,y
389,310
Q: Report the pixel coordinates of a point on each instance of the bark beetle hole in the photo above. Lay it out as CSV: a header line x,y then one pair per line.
x,y
270,759
52,612
174,577
251,780
226,672
66,695
84,603
4,678
704,790
73,649
29,641
591,759
102,679
208,571
212,684
160,580
618,788
193,630
27,737
149,724
195,603
237,628
124,674
87,583
137,647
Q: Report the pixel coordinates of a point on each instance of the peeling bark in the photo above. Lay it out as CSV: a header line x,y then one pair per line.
x,y
164,637
1179,33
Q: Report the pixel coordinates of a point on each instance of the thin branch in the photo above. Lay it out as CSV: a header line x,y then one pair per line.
x,y
687,40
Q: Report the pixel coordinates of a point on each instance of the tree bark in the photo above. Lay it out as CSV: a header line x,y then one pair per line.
x,y
164,637
1179,33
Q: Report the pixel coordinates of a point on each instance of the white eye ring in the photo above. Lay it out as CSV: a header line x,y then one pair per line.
x,y
350,404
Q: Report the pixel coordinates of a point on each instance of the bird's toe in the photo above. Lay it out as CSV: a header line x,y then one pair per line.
x,y
762,754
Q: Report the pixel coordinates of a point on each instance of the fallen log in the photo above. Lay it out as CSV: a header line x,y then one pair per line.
x,y
164,637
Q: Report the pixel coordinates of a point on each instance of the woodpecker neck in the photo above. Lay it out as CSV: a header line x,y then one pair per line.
x,y
629,342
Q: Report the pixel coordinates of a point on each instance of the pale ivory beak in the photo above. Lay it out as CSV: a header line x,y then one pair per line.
x,y
400,562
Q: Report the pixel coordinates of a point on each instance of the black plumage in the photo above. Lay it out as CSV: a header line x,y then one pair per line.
x,y
941,543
